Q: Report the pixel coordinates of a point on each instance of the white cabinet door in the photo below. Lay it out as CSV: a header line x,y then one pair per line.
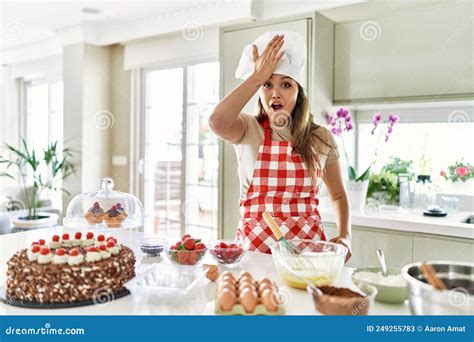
x,y
330,230
397,247
232,45
433,247
423,53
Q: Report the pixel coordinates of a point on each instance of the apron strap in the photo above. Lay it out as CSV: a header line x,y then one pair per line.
x,y
267,129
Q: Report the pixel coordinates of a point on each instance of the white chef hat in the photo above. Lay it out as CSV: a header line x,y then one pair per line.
x,y
291,64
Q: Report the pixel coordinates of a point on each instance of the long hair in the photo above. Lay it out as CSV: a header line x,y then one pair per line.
x,y
306,134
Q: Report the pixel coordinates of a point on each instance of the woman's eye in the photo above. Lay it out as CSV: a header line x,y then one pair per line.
x,y
286,85
266,85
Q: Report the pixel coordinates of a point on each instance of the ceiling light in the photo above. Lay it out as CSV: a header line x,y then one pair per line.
x,y
90,10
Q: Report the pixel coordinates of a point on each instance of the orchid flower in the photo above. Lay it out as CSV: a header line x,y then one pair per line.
x,y
341,122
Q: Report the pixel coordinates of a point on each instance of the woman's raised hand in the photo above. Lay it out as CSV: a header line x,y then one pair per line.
x,y
266,63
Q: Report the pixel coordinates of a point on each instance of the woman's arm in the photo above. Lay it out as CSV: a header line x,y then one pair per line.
x,y
225,121
335,185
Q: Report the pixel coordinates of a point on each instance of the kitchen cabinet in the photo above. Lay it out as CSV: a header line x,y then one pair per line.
x,y
365,241
393,57
397,247
434,247
402,248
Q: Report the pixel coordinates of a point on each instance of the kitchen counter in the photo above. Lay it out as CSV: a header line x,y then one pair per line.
x,y
407,220
298,302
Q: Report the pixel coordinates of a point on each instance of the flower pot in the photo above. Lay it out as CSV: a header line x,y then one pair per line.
x,y
44,220
460,187
357,193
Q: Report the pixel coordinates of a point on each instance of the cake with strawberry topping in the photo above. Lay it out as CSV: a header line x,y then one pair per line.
x,y
115,216
69,270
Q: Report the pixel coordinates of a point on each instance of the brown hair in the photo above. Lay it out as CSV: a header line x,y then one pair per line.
x,y
306,134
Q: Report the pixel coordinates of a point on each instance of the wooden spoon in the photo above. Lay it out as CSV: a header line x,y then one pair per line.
x,y
431,277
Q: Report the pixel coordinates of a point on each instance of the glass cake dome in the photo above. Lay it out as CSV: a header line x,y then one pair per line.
x,y
105,208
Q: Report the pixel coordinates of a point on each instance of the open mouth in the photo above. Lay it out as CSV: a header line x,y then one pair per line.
x,y
276,106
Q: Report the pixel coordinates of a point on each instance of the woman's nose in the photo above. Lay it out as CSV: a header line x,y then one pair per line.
x,y
275,94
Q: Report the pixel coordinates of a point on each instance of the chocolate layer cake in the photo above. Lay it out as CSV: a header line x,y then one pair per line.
x,y
63,273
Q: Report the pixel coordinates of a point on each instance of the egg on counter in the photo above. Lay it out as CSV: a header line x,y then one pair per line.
x,y
227,299
228,279
265,281
212,272
243,286
212,276
246,279
268,298
211,268
228,274
249,300
227,285
264,286
245,274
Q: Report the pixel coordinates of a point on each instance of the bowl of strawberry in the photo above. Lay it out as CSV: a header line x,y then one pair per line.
x,y
226,252
188,251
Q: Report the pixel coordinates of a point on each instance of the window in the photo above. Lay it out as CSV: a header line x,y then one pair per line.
x,y
43,121
432,146
180,152
432,138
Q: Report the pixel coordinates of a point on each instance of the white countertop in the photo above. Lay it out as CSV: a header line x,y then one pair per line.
x,y
407,220
298,302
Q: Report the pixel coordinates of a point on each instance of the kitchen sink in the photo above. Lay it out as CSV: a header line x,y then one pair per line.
x,y
469,219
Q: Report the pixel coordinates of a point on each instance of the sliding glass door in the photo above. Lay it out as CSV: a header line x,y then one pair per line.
x,y
180,154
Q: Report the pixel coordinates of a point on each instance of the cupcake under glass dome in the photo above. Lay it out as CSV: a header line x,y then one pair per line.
x,y
105,208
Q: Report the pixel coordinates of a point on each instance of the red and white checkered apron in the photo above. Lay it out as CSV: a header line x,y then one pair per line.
x,y
281,186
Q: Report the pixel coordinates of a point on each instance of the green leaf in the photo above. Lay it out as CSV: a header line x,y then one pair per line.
x,y
4,174
64,190
352,173
364,176
18,153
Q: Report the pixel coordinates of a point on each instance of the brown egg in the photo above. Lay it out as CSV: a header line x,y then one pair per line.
x,y
211,268
212,276
228,274
227,285
269,299
245,274
248,299
245,279
227,300
250,286
229,279
265,281
263,287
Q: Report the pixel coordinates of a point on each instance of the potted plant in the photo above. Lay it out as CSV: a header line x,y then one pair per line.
x,y
459,177
357,184
37,174
384,186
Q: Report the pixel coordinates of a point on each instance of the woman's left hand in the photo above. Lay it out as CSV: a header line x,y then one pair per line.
x,y
346,241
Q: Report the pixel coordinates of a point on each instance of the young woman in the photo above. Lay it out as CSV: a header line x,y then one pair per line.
x,y
283,155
